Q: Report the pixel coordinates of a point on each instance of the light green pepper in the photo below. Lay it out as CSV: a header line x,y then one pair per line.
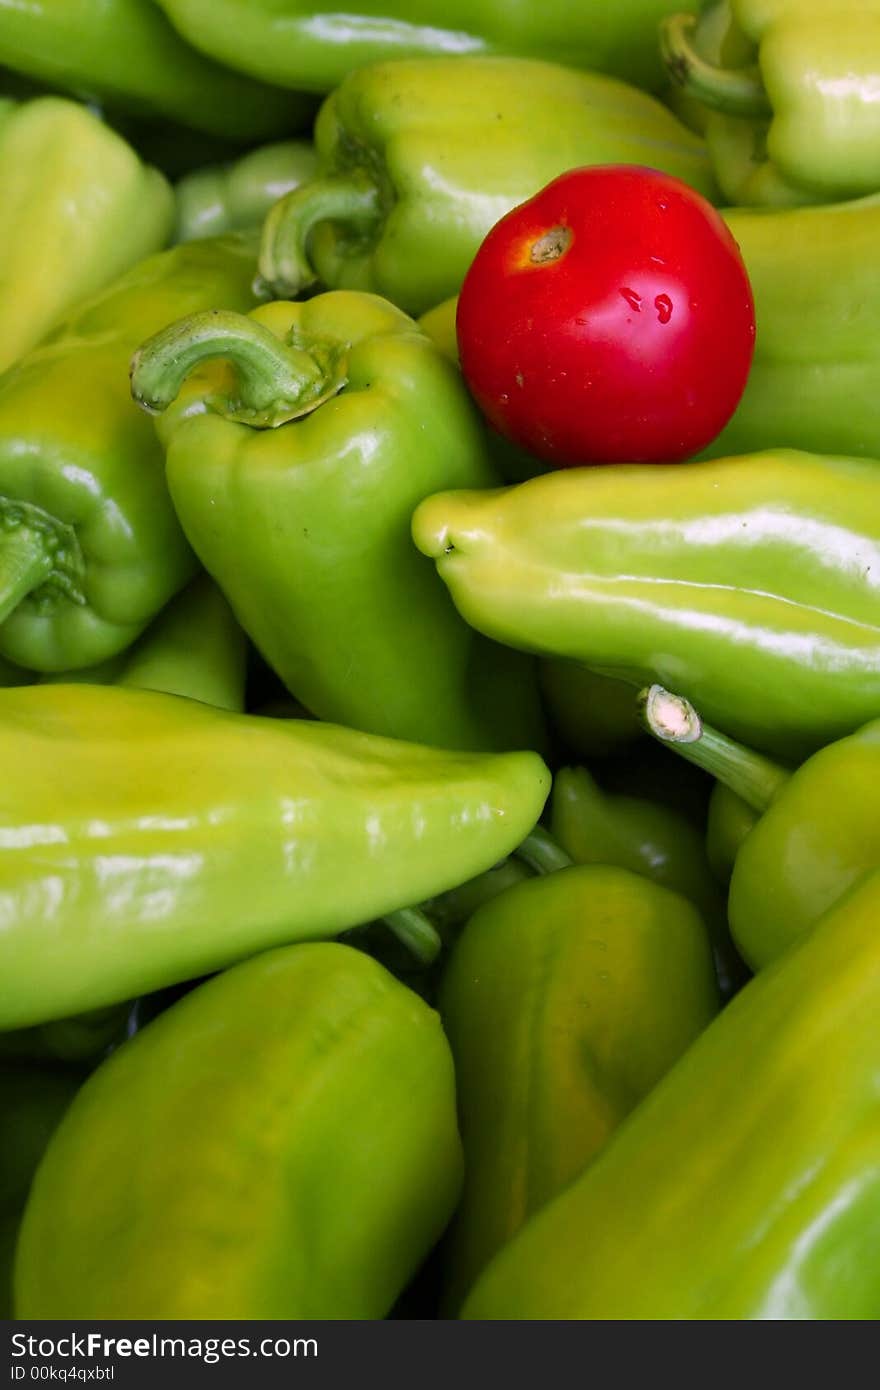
x,y
152,839
281,1143
79,208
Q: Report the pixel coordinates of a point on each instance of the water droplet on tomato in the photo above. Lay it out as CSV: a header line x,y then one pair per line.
x,y
633,299
663,305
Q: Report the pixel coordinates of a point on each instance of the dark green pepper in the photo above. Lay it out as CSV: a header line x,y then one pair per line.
x,y
32,1101
80,1040
195,648
747,1184
418,159
647,838
312,45
79,208
816,831
752,584
236,197
729,821
306,526
281,1143
125,53
90,546
565,1000
593,716
595,827
150,839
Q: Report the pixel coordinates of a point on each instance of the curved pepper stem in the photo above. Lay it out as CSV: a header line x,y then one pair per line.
x,y
734,91
416,932
672,720
542,854
275,380
351,199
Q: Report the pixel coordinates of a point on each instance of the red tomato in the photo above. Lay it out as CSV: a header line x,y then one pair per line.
x,y
608,319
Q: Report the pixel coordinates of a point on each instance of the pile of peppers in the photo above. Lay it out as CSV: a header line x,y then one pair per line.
x,y
431,886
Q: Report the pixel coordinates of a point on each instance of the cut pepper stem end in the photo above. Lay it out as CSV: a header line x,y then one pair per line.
x,y
674,721
416,932
352,200
276,381
541,853
670,718
733,91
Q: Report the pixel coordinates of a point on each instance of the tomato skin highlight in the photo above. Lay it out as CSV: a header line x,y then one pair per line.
x,y
608,319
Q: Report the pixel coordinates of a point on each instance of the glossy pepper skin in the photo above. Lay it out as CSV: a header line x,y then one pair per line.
x,y
801,90
194,649
236,197
565,1000
815,276
418,159
118,878
90,546
816,829
213,1197
750,584
313,47
32,1101
79,208
306,526
687,1214
125,54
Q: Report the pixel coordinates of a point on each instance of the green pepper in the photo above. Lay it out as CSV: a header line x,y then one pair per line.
x,y
512,461
14,675
236,197
79,208
418,159
800,89
313,46
195,648
125,54
729,821
80,1040
281,1143
306,526
817,829
151,839
650,773
747,1184
32,1101
595,827
593,715
815,275
90,546
565,1000
752,584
